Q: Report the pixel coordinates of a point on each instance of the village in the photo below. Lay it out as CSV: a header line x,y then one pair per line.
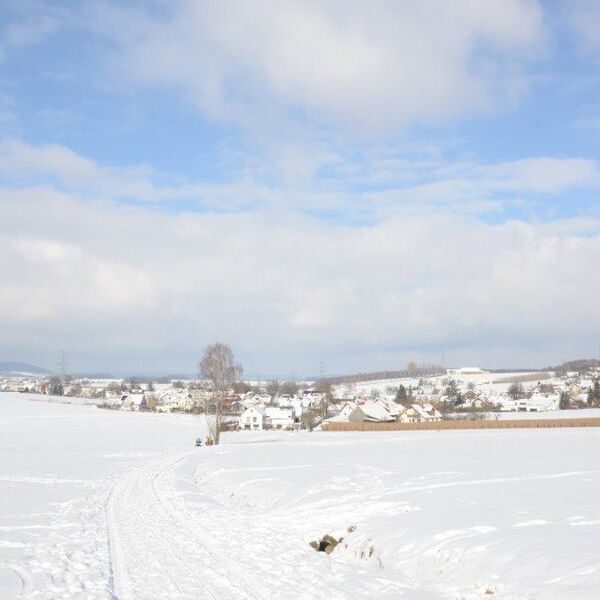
x,y
458,394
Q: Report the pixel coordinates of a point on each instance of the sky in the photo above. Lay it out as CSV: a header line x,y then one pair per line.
x,y
327,184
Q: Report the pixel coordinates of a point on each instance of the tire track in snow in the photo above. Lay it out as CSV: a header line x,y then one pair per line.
x,y
164,543
152,555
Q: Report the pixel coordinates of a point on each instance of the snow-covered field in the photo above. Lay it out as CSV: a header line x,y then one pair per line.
x,y
58,463
582,413
98,504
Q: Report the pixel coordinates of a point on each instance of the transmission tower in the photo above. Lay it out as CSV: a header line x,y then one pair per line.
x,y
63,364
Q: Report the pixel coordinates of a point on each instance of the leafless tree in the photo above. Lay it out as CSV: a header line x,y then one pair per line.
x,y
151,402
516,391
308,419
272,388
220,369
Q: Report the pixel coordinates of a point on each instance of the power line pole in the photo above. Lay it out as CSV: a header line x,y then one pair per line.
x,y
63,364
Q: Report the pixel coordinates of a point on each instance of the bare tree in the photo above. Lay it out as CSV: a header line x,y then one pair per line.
x,y
289,387
308,419
273,388
516,391
151,402
220,369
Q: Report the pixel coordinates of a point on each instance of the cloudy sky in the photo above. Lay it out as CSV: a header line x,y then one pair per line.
x,y
343,182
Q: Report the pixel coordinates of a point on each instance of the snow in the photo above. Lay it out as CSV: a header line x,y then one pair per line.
x,y
581,413
107,504
58,463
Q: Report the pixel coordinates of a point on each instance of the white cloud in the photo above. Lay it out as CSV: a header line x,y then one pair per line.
x,y
495,183
131,288
372,67
389,184
544,175
73,171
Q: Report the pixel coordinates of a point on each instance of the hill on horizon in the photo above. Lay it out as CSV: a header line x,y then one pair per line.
x,y
8,367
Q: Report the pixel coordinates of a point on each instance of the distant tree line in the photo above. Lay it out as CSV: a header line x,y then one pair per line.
x,y
581,366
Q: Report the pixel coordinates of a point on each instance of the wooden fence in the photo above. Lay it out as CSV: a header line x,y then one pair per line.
x,y
481,424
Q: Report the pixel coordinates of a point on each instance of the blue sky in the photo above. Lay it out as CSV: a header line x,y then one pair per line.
x,y
311,182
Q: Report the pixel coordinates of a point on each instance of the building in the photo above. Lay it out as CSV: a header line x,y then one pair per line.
x,y
420,413
279,418
370,412
253,418
134,402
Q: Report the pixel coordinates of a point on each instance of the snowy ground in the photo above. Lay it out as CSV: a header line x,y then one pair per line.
x,y
58,463
581,413
98,504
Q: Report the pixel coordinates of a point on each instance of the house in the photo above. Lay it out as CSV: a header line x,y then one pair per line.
x,y
420,413
370,412
476,400
252,399
176,399
135,402
482,402
537,403
283,400
346,410
312,398
390,406
252,418
279,418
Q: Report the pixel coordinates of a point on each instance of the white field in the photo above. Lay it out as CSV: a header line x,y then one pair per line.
x,y
581,413
491,383
97,504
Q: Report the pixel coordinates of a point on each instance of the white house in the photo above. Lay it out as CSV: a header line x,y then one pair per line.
x,y
392,407
133,402
537,403
252,418
252,399
312,398
420,413
279,418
